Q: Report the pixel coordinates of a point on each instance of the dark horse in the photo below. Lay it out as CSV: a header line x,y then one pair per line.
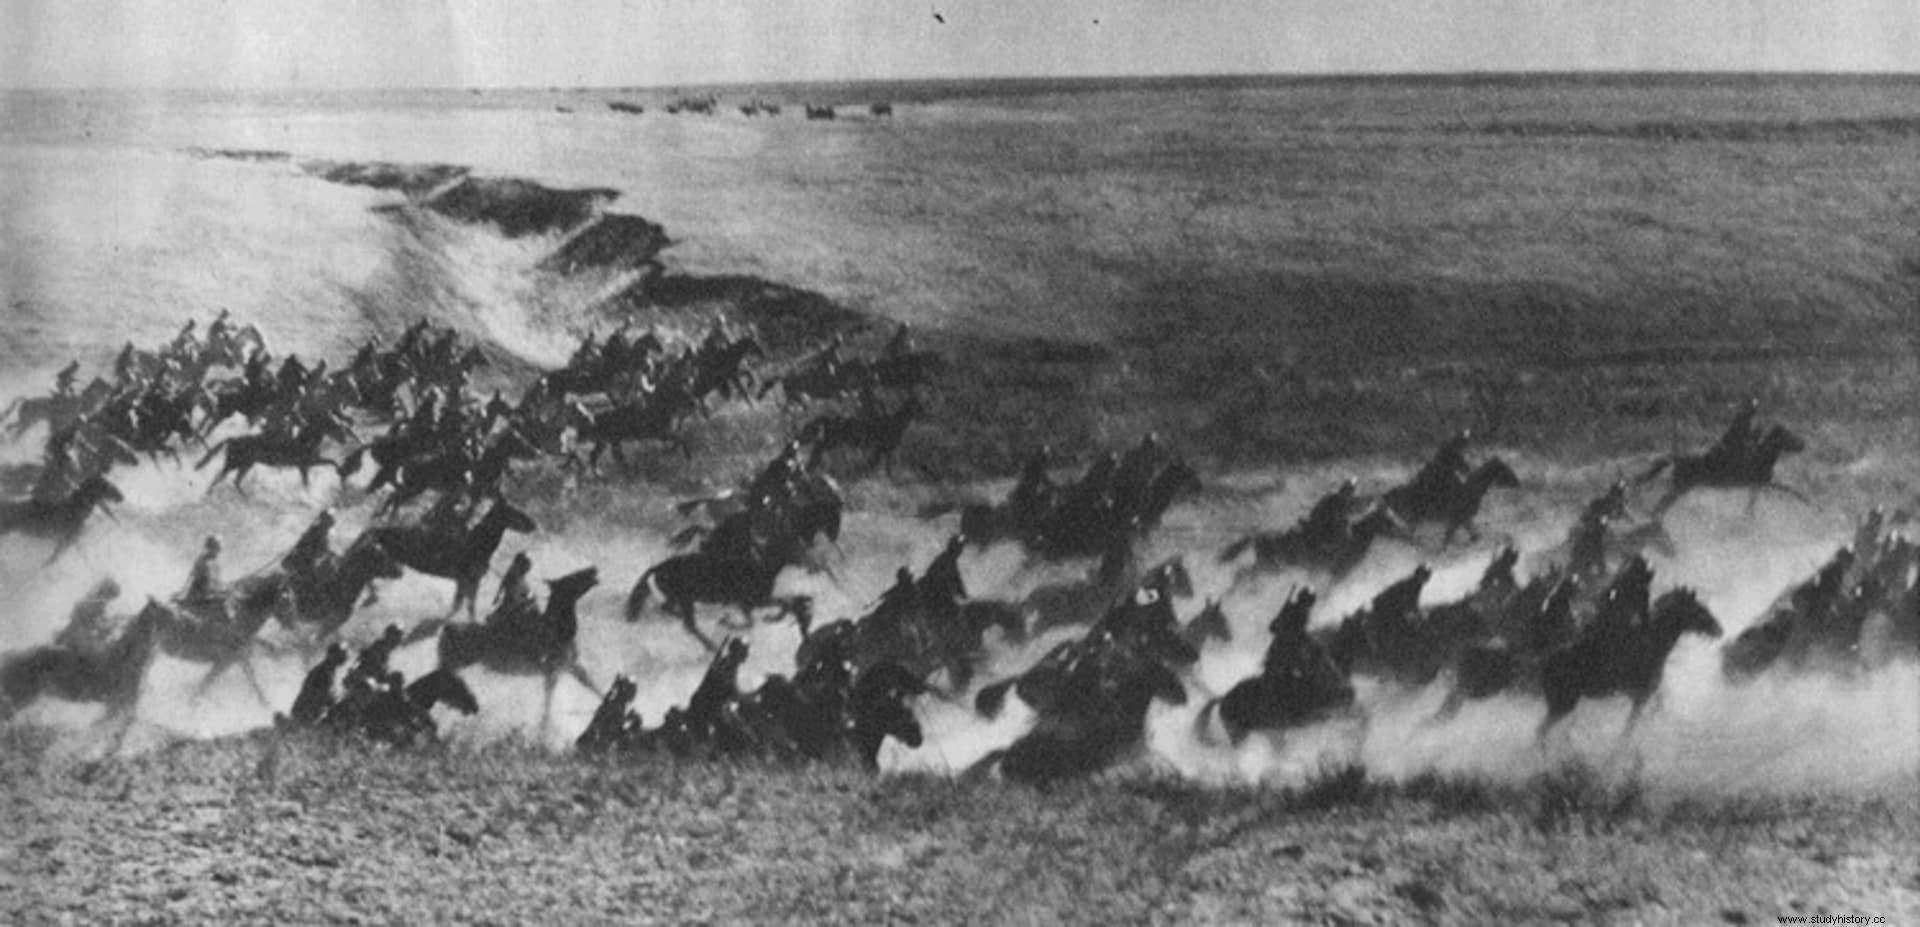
x,y
299,449
1752,470
462,557
683,581
544,647
1298,682
878,434
1457,504
60,520
1630,664
110,676
325,596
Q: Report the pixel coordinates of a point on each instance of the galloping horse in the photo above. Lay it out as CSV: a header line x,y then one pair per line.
x,y
462,557
300,448
1752,470
1457,504
324,597
683,581
544,648
878,434
60,520
1596,666
111,676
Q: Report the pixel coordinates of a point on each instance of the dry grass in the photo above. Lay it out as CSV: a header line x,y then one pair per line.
x,y
259,829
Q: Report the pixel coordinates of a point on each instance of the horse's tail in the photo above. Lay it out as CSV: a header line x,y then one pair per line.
x,y
1233,551
637,599
1653,472
212,452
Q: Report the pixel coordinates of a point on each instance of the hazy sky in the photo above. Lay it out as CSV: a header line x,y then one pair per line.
x,y
359,43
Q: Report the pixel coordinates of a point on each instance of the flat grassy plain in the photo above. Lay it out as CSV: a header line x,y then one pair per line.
x,y
1589,274
256,829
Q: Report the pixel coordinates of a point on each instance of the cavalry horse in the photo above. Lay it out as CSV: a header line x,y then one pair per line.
x,y
300,449
879,434
1599,665
1751,470
1298,682
324,597
1454,506
543,645
110,676
463,556
60,520
1092,697
685,580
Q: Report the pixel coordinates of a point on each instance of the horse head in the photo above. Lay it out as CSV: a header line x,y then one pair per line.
x,y
1293,617
443,687
1495,472
96,490
508,517
569,588
1681,612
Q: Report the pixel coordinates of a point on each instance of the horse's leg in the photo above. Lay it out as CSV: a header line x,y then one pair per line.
x,y
579,673
214,672
686,621
1787,491
253,680
546,707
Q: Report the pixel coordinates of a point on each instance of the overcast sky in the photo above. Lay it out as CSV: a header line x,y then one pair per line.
x,y
489,43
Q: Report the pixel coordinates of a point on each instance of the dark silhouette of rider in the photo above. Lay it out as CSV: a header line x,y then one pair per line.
x,y
311,547
372,663
316,691
1136,469
1448,469
88,628
1330,517
513,594
204,593
901,344
903,599
63,381
775,480
1030,494
1740,437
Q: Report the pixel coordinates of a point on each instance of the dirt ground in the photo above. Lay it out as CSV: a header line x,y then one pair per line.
x,y
259,829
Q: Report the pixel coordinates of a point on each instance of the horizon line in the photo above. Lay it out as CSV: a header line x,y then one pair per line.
x,y
1474,74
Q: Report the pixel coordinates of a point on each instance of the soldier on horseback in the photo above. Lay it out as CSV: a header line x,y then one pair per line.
x,y
311,548
205,595
1740,438
63,381
1330,519
372,664
88,629
1447,470
513,594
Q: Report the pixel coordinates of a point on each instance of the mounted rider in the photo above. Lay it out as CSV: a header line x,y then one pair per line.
x,y
513,594
1033,492
1330,520
63,381
900,345
88,629
316,691
1448,469
372,664
205,595
311,548
1740,439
